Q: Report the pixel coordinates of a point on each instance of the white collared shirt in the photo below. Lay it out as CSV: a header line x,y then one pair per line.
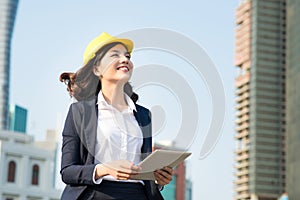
x,y
119,136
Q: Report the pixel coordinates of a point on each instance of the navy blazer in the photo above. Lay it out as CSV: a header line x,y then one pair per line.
x,y
79,137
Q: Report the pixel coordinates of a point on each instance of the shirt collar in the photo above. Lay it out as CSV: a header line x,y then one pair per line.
x,y
101,101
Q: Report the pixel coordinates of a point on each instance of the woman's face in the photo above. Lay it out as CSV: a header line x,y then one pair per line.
x,y
115,65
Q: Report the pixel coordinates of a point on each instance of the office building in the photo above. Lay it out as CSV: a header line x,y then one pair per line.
x,y
260,54
180,188
8,9
27,168
17,119
293,99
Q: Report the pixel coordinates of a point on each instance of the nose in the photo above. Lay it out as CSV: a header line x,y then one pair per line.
x,y
124,59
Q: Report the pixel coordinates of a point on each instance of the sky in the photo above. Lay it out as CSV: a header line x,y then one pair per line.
x,y
50,36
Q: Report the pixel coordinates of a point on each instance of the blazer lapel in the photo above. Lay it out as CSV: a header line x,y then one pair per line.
x,y
144,122
90,131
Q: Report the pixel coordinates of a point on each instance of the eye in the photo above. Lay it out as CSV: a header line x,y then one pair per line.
x,y
128,56
115,55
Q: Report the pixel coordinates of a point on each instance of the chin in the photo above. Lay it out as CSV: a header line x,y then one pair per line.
x,y
125,77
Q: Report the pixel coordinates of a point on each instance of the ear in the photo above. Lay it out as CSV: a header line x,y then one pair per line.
x,y
96,71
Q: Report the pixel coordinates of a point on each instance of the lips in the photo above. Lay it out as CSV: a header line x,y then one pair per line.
x,y
123,68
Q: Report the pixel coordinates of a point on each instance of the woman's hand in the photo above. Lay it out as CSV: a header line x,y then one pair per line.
x,y
163,176
119,169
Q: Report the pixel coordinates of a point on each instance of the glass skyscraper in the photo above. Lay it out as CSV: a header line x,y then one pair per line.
x,y
293,99
17,119
8,9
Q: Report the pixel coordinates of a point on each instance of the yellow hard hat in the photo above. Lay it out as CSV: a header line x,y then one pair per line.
x,y
100,41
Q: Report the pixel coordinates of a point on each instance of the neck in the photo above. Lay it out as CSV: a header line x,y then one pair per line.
x,y
113,94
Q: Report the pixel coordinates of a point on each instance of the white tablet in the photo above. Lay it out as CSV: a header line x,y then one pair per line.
x,y
159,159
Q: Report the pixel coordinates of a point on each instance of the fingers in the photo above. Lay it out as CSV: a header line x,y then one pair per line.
x,y
123,166
130,169
122,169
122,176
168,170
127,171
126,174
163,176
130,166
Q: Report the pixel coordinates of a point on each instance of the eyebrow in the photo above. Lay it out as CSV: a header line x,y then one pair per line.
x,y
116,51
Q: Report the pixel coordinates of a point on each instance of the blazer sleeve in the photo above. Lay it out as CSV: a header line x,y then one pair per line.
x,y
74,170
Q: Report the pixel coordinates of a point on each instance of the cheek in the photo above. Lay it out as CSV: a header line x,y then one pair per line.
x,y
106,67
107,61
130,64
110,70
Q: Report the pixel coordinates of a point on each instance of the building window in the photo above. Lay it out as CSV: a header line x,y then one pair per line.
x,y
11,172
35,175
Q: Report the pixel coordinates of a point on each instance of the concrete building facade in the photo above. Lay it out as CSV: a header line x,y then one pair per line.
x,y
260,97
293,99
27,168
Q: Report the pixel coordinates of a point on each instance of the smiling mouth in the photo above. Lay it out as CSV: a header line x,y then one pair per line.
x,y
123,68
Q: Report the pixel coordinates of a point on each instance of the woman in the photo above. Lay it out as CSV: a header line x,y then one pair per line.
x,y
106,134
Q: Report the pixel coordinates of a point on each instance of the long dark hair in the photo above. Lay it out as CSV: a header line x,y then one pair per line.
x,y
84,84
